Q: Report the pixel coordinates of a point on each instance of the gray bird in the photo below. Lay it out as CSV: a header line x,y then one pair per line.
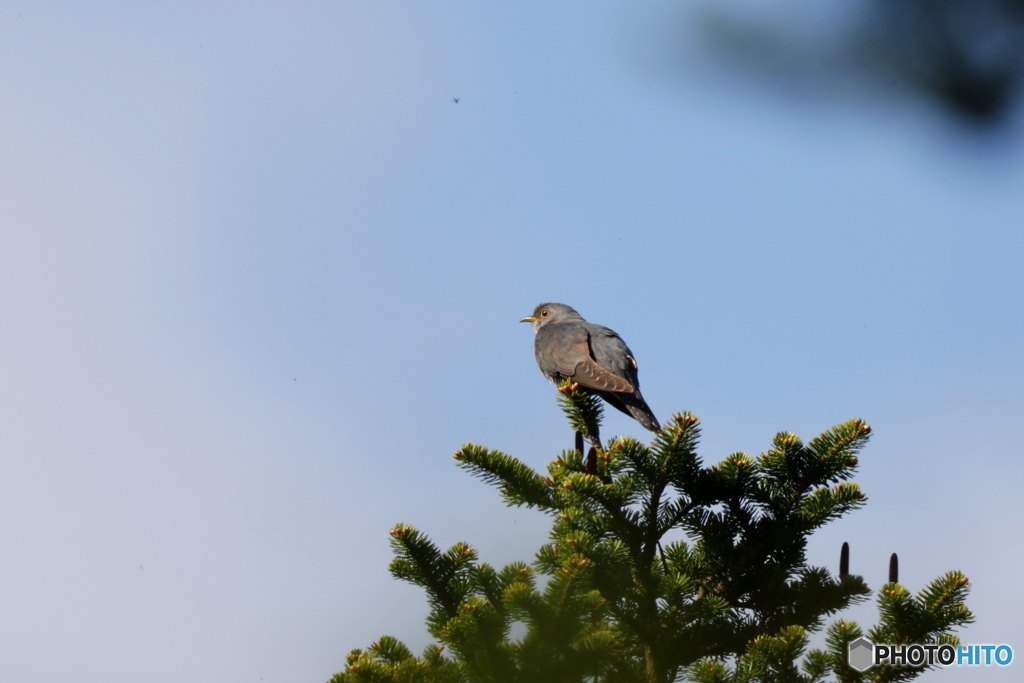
x,y
568,347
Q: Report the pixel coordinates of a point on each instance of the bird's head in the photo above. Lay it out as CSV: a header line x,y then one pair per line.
x,y
550,313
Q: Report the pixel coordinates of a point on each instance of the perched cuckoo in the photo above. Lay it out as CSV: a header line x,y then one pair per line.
x,y
596,358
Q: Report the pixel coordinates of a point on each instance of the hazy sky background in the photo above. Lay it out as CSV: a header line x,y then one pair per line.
x,y
260,276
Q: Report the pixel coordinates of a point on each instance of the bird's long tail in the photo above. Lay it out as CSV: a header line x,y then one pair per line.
x,y
639,409
635,406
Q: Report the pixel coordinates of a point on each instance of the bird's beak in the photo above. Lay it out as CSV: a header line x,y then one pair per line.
x,y
528,319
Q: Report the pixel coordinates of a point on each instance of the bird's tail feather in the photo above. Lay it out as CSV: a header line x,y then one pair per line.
x,y
643,414
635,406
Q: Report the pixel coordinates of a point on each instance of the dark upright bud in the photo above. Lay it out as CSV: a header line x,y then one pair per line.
x,y
894,569
844,561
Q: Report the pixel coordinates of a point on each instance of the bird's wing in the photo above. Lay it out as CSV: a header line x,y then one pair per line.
x,y
592,376
612,354
564,350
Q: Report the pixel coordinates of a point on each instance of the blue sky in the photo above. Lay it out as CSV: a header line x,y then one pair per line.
x,y
260,276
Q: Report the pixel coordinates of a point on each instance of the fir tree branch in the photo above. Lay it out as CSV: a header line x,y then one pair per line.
x,y
443,575
583,409
518,483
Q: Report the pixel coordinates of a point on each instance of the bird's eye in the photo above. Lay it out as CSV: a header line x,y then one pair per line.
x,y
544,313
